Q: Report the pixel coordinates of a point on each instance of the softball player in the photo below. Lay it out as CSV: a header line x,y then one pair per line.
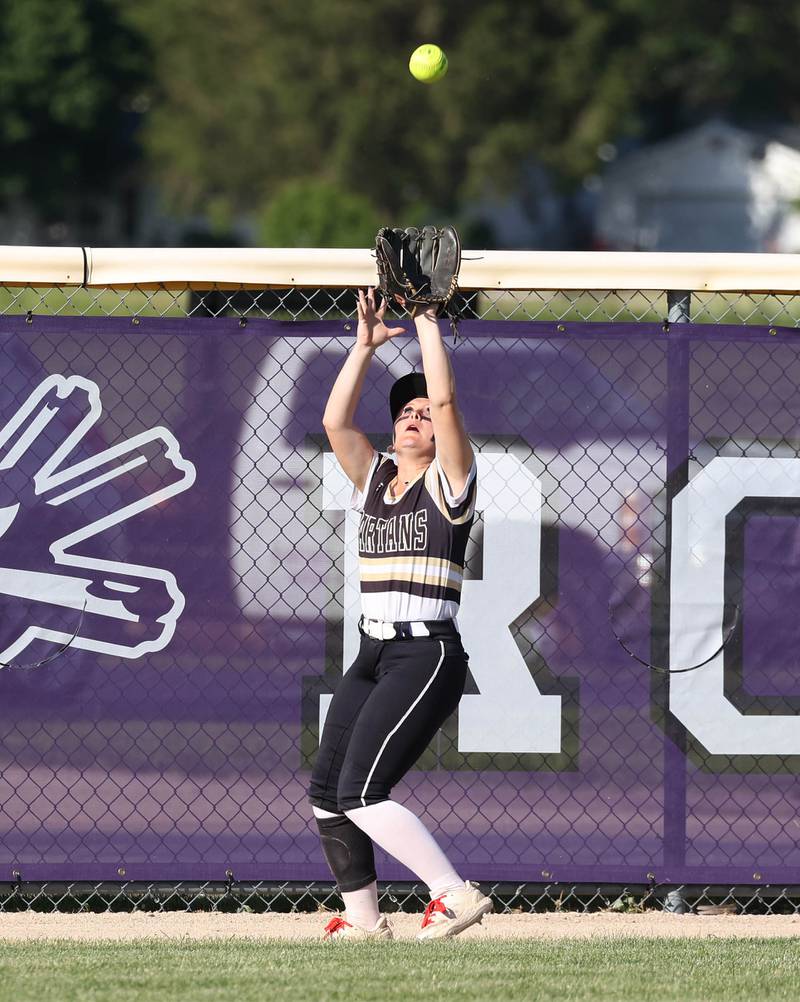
x,y
417,507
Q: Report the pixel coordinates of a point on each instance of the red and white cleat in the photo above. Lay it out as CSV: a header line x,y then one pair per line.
x,y
338,929
454,912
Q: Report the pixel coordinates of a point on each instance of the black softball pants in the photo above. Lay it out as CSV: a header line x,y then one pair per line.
x,y
385,711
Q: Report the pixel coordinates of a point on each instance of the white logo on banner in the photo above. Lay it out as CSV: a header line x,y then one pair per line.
x,y
697,599
37,438
509,714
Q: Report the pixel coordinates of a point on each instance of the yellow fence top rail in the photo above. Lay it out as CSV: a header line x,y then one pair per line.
x,y
261,268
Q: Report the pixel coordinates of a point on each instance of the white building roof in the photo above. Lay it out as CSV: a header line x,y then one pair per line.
x,y
714,188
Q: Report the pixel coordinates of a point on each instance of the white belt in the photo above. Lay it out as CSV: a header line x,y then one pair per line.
x,y
378,629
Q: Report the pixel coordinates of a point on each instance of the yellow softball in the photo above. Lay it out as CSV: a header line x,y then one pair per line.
x,y
428,63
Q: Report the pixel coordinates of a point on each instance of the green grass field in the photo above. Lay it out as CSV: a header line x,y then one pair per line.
x,y
644,970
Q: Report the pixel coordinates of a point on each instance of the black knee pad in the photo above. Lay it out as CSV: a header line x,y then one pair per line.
x,y
348,851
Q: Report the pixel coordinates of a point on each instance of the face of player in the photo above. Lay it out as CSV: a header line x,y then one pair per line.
x,y
413,429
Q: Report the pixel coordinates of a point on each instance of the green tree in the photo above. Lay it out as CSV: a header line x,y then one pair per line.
x,y
732,58
312,213
253,94
69,76
260,91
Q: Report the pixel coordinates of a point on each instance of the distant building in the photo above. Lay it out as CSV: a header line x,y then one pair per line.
x,y
713,188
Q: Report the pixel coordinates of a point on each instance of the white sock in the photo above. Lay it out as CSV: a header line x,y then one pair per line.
x,y
402,834
361,906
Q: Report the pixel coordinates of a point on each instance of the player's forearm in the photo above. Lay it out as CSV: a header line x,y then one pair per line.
x,y
343,400
435,362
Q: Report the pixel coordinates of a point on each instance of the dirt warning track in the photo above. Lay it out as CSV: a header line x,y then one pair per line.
x,y
202,925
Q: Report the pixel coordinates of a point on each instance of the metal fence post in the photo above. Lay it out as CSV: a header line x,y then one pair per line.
x,y
679,312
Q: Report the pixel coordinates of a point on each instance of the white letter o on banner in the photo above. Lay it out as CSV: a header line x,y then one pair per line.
x,y
697,595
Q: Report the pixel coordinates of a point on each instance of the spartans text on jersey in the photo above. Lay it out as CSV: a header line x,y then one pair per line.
x,y
398,534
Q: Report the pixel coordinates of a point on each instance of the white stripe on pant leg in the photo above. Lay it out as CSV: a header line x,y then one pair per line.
x,y
399,724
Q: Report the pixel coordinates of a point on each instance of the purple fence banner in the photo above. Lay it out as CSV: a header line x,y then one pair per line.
x,y
179,595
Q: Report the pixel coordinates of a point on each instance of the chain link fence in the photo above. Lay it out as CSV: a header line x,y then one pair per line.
x,y
643,511
332,304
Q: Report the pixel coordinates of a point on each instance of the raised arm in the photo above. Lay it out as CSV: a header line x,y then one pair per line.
x,y
350,445
452,444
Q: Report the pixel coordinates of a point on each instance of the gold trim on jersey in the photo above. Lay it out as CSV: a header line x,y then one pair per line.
x,y
435,571
436,491
420,561
454,584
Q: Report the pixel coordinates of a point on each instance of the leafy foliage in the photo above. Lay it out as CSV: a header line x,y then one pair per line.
x,y
261,91
257,93
69,75
311,213
253,94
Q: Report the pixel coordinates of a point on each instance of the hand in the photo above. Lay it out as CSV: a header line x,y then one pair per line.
x,y
416,311
372,331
